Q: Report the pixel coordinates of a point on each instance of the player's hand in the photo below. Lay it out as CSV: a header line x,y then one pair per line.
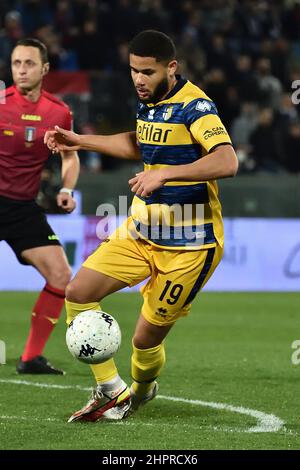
x,y
145,182
65,202
60,140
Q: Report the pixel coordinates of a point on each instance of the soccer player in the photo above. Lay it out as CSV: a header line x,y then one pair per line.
x,y
184,147
26,112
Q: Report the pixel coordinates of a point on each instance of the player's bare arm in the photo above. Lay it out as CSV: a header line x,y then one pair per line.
x,y
121,145
221,163
69,173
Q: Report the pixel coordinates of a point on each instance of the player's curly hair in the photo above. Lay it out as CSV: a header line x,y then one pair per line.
x,y
151,43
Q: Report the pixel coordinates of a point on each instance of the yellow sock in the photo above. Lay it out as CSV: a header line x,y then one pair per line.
x,y
102,372
105,371
73,309
146,365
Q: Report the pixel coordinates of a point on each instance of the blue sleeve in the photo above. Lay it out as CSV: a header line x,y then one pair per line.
x,y
198,108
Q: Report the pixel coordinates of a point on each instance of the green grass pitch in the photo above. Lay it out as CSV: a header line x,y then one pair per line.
x,y
233,353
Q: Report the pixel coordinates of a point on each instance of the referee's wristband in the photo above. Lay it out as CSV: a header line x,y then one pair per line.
x,y
68,191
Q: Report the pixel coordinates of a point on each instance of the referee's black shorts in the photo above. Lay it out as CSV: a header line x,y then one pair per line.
x,y
23,225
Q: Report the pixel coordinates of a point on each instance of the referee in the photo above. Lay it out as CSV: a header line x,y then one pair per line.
x,y
28,111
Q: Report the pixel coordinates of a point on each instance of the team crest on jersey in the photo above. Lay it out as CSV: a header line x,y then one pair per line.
x,y
167,113
151,114
30,134
203,106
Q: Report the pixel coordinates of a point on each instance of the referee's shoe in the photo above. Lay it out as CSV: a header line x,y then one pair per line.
x,y
37,365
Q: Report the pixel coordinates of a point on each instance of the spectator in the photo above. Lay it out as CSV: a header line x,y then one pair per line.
x,y
191,57
216,86
269,86
264,149
218,54
244,80
89,56
292,148
242,128
287,113
9,35
35,14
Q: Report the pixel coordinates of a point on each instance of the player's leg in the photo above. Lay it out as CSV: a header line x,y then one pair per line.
x,y
34,243
147,360
117,263
52,264
167,297
85,292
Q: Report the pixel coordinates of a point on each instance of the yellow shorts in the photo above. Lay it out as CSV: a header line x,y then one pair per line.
x,y
175,276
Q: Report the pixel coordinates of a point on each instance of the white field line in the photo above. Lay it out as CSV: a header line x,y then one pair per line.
x,y
27,418
265,422
128,423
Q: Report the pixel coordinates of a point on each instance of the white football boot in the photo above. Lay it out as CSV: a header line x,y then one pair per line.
x,y
105,405
137,401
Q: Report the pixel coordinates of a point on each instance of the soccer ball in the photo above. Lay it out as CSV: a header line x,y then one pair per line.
x,y
93,336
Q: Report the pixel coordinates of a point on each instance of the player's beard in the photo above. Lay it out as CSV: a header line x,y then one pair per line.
x,y
159,92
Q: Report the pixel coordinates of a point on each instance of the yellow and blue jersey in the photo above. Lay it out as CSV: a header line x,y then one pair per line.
x,y
179,130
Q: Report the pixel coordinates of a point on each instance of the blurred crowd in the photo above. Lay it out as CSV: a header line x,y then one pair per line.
x,y
244,54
